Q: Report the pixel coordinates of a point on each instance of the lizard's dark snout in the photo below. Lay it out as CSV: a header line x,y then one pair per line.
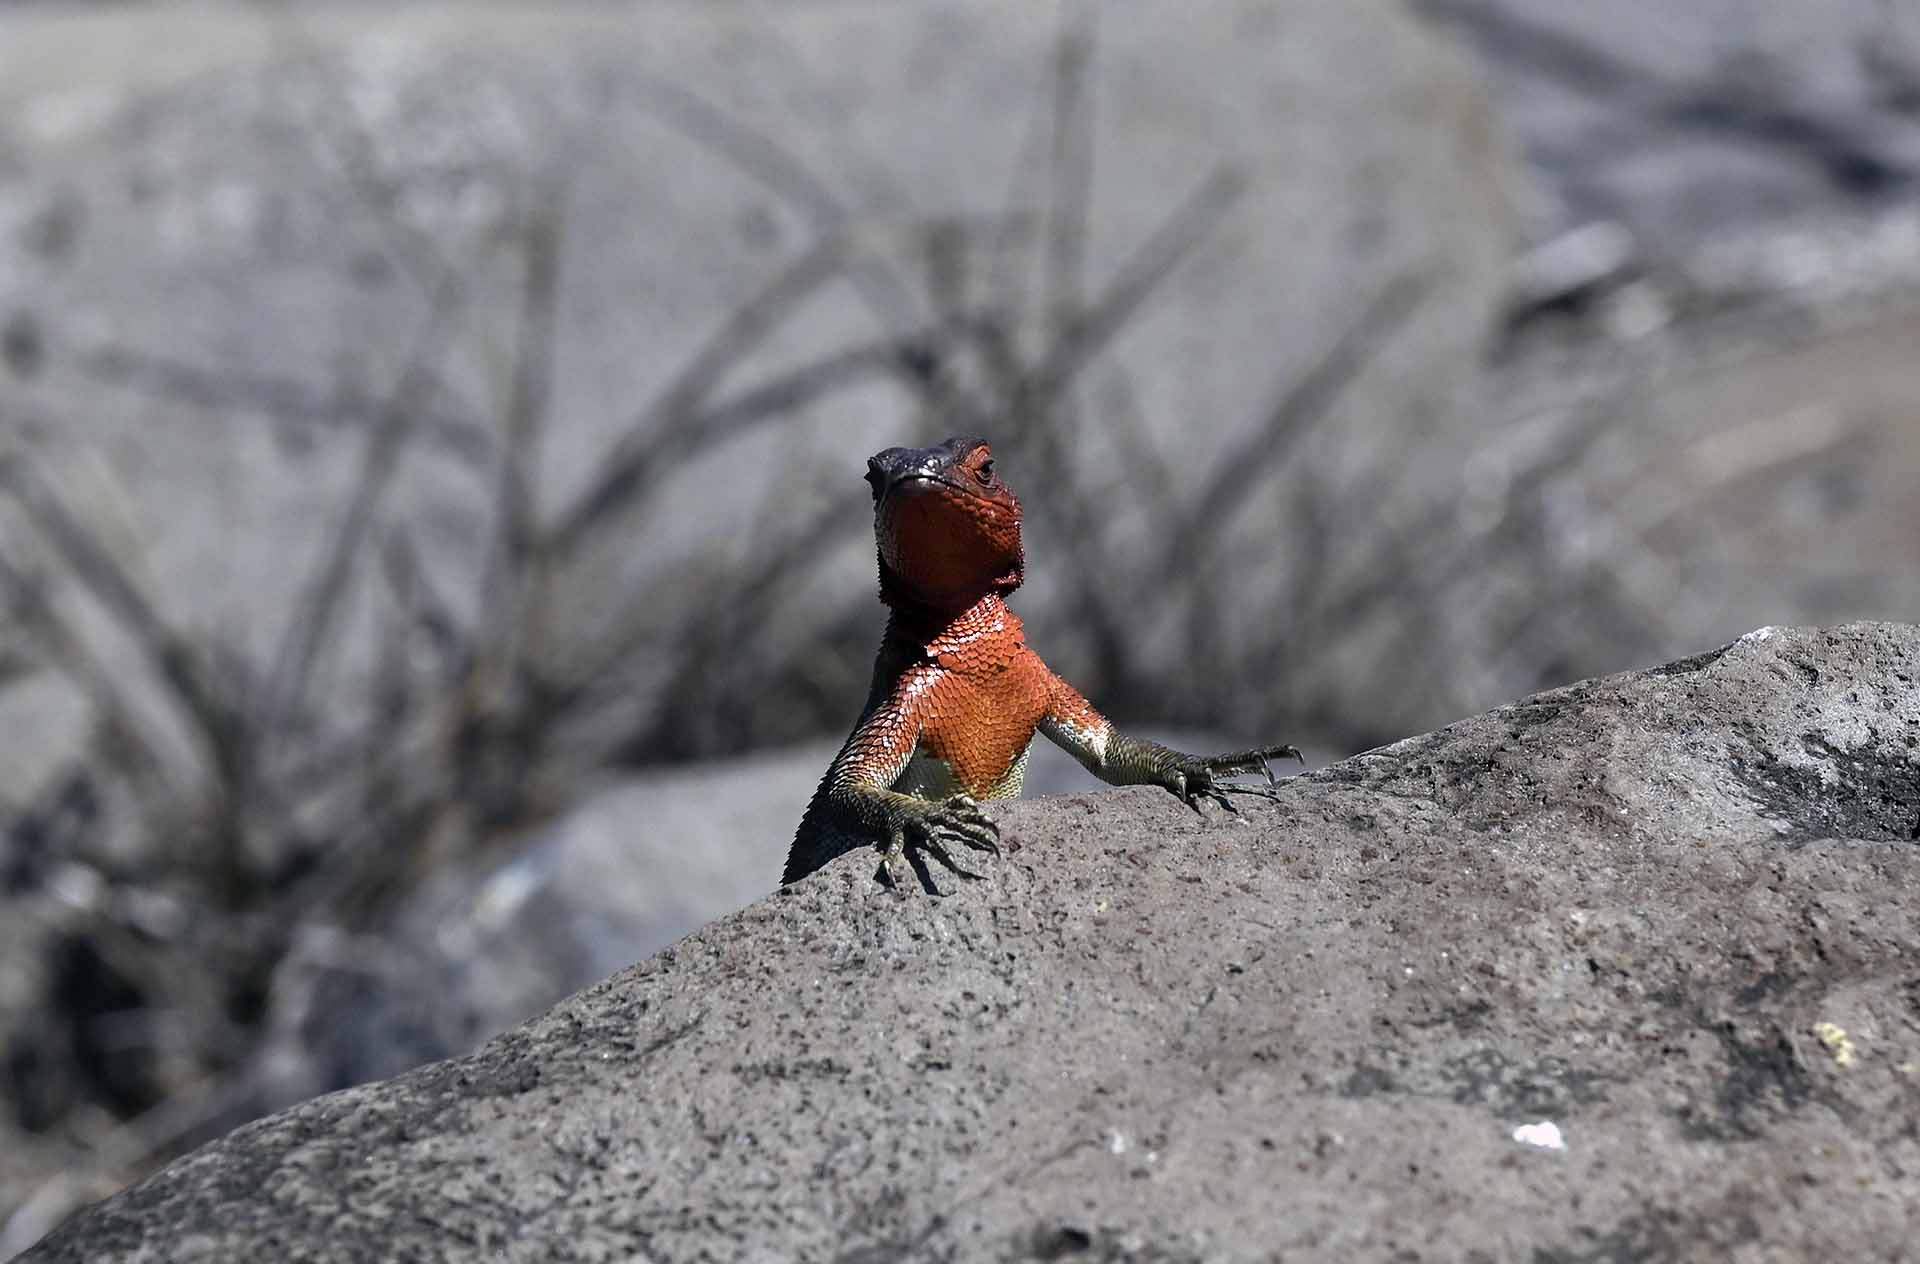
x,y
889,467
886,470
896,465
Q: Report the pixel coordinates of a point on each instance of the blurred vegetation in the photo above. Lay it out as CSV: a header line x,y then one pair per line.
x,y
233,808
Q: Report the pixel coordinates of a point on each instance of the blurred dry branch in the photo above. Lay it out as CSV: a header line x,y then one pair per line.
x,y
337,406
403,719
1854,155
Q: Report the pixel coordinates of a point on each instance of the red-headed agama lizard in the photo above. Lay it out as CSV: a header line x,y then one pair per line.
x,y
957,695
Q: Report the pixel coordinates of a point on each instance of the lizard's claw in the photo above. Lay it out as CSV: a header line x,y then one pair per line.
x,y
893,862
962,819
1205,777
927,833
1254,760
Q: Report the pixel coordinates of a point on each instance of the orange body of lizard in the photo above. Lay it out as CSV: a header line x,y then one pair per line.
x,y
957,694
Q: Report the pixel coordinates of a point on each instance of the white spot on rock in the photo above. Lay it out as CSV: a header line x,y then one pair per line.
x,y
1544,1135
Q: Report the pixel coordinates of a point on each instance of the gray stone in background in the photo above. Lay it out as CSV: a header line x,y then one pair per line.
x,y
1715,317
1671,913
476,950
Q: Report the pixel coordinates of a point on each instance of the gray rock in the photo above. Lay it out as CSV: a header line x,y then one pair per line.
x,y
1671,914
633,868
479,949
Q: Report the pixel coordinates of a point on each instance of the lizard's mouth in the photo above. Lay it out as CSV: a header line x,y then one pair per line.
x,y
923,485
961,465
906,481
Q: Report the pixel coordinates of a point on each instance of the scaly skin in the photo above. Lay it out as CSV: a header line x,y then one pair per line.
x,y
957,695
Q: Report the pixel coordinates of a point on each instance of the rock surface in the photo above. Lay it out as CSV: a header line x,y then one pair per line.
x,y
1670,913
475,952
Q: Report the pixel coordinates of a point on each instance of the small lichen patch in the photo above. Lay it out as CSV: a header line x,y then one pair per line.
x,y
1838,1044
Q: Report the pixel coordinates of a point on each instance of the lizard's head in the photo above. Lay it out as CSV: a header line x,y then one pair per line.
x,y
948,528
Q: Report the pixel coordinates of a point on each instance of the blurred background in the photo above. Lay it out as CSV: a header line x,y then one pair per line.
x,y
434,561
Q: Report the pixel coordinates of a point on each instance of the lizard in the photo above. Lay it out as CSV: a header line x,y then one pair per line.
x,y
957,694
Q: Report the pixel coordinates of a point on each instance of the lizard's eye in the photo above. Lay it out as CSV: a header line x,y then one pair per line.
x,y
985,473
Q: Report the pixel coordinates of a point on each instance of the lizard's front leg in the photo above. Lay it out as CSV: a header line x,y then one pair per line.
x,y
856,805
1073,724
1132,761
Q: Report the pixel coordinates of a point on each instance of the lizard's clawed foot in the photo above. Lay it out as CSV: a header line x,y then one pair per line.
x,y
1201,777
927,833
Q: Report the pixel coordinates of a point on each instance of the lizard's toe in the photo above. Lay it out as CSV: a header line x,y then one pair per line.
x,y
1206,780
1284,751
981,836
1185,788
962,820
1205,787
892,872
